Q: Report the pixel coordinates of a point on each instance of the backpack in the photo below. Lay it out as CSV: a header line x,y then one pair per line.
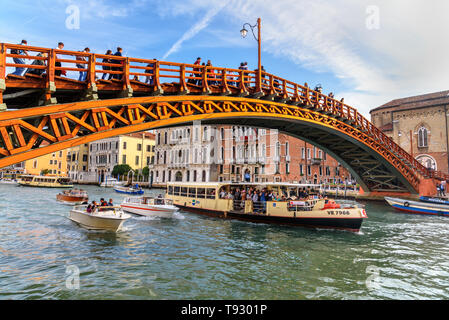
x,y
14,51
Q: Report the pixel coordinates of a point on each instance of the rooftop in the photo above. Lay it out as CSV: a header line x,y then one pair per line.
x,y
415,102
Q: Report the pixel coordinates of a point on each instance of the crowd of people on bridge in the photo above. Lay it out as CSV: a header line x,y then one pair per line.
x,y
113,69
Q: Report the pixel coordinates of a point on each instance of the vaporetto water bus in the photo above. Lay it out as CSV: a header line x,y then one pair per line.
x,y
294,205
45,181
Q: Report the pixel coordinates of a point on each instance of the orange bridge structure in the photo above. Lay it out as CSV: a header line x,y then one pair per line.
x,y
65,112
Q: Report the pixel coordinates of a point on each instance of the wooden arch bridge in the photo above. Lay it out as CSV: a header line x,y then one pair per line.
x,y
65,112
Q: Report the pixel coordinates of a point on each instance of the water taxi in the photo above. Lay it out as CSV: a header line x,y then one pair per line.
x,y
150,207
45,181
101,218
134,190
8,181
418,207
290,204
73,197
111,182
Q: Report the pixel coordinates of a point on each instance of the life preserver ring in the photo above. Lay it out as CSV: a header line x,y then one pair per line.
x,y
406,204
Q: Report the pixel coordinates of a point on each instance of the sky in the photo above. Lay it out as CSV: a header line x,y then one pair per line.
x,y
367,51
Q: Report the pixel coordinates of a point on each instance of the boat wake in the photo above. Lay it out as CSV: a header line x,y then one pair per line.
x,y
178,215
145,218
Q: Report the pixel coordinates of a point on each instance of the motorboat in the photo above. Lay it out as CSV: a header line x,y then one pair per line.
x,y
150,207
73,197
9,181
134,190
112,182
434,200
109,218
45,181
418,207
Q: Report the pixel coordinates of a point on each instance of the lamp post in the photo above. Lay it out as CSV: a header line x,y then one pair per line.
x,y
244,32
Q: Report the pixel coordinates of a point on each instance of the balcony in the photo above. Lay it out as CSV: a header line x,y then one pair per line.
x,y
316,161
261,160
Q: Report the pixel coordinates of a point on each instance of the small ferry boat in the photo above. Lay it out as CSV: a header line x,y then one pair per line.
x,y
293,204
101,218
418,207
111,182
150,207
135,190
73,197
45,181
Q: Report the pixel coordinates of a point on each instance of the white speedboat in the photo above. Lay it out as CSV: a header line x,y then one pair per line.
x,y
9,181
150,207
112,182
101,218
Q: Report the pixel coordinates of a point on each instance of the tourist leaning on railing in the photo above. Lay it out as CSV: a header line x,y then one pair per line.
x,y
19,70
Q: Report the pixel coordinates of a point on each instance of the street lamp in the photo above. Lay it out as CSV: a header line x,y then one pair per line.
x,y
244,32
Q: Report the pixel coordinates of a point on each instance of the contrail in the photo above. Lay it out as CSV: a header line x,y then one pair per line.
x,y
200,25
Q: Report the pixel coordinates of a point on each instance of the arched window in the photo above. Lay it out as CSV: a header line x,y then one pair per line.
x,y
422,137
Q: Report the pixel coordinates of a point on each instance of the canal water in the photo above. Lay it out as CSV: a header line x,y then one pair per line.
x,y
43,255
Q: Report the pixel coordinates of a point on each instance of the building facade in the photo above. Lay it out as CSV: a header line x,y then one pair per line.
x,y
418,124
233,153
135,150
78,162
53,163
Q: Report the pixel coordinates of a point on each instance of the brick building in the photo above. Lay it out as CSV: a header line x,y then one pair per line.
x,y
419,125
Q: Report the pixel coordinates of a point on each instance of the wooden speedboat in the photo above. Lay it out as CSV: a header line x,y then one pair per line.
x,y
101,218
217,200
45,181
418,207
134,190
73,197
150,207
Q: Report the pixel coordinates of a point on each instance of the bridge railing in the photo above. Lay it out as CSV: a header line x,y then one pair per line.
x,y
126,70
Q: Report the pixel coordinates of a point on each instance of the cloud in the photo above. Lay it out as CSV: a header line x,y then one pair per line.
x,y
405,56
197,27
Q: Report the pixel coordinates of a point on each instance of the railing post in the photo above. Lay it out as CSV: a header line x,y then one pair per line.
x,y
243,90
2,75
206,88
224,82
156,79
182,77
50,83
127,89
91,93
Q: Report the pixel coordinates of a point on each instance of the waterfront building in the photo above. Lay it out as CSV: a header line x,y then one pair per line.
x,y
206,153
53,163
135,149
419,124
185,154
265,155
77,162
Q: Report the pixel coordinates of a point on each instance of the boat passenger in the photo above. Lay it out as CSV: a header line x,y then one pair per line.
x,y
110,203
222,194
89,208
94,205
